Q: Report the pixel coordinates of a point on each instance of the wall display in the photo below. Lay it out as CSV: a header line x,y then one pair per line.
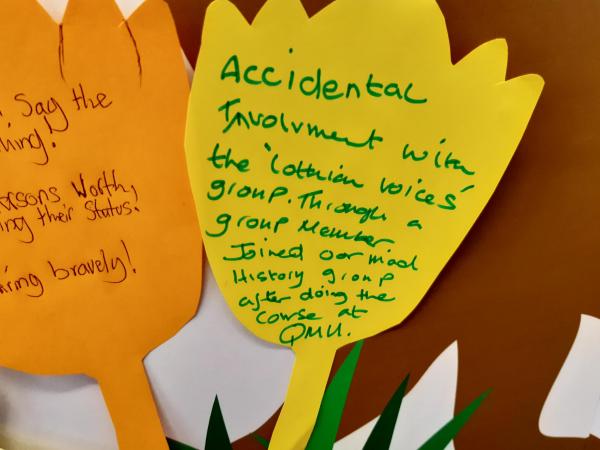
x,y
92,112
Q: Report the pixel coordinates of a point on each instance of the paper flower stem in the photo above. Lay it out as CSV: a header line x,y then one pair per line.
x,y
128,394
305,391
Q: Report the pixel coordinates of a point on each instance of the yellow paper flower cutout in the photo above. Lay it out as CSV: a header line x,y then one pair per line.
x,y
337,163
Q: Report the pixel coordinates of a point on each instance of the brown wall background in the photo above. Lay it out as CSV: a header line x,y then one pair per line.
x,y
513,294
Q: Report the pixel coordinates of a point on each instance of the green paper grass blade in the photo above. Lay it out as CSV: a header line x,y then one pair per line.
x,y
261,440
216,435
333,403
381,436
441,439
174,445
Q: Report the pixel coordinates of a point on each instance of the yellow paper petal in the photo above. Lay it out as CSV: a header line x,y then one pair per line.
x,y
487,63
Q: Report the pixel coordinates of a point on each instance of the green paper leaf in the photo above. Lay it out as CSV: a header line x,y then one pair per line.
x,y
441,439
381,436
216,435
261,440
333,403
174,445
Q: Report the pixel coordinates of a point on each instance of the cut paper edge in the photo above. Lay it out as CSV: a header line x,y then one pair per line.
x,y
56,9
383,432
272,12
489,60
426,408
491,55
572,406
441,439
217,437
334,402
